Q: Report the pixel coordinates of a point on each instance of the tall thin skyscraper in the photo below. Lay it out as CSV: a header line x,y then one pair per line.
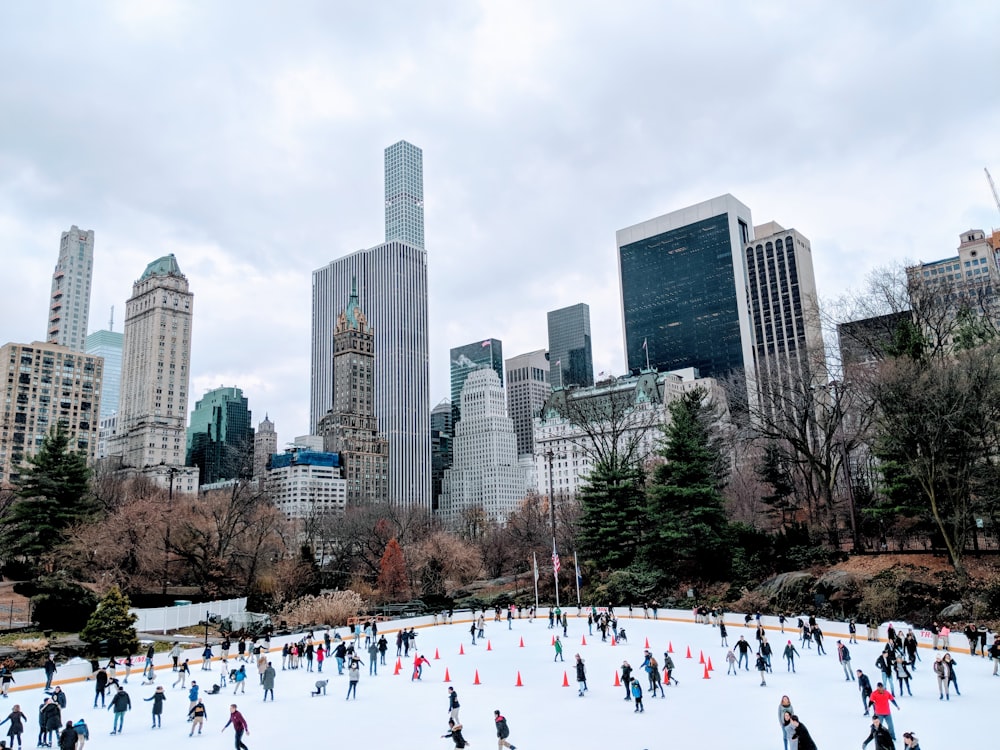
x,y
108,344
684,292
392,279
265,445
527,388
69,305
571,359
156,369
404,194
467,359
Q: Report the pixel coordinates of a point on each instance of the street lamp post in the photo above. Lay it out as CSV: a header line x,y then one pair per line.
x,y
166,534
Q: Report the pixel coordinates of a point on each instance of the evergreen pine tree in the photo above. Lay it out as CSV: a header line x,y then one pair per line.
x,y
772,470
612,515
688,531
112,622
53,493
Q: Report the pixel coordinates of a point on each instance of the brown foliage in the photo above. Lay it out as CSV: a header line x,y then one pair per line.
x,y
455,559
330,609
392,580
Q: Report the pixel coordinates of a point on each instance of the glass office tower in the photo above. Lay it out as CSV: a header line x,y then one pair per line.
x,y
571,360
466,360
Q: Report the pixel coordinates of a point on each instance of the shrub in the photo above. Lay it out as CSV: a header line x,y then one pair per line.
x,y
331,609
60,604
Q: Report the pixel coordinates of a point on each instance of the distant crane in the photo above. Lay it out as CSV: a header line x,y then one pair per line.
x,y
993,188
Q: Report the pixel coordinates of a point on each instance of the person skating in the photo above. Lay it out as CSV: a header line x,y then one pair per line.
x,y
17,721
197,716
120,703
627,679
941,674
844,657
453,705
761,666
952,676
559,650
419,660
903,677
68,737
581,675
743,656
383,646
353,674
82,733
6,679
50,671
49,721
637,695
865,688
785,712
100,686
654,678
801,736
372,658
722,634
182,674
268,684
668,670
503,731
790,653
883,737
158,699
239,680
240,726
880,700
193,694
731,662
455,733
910,740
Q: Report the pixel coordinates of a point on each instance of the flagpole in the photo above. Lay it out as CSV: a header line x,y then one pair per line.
x,y
534,557
555,569
645,346
576,565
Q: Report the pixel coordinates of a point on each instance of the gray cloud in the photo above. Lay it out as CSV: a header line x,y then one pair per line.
x,y
247,138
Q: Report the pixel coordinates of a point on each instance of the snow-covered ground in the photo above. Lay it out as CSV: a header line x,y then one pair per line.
x,y
391,711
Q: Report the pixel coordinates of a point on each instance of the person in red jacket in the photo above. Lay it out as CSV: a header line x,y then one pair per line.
x,y
239,725
879,701
418,666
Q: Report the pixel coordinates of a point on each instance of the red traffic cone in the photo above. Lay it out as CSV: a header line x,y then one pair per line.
x,y
565,680
521,644
701,657
583,642
647,643
398,665
436,654
670,647
613,641
519,683
461,649
477,682
489,646
553,641
709,666
706,675
688,653
618,683
447,677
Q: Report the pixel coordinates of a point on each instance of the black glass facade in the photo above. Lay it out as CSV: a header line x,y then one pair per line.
x,y
571,360
679,297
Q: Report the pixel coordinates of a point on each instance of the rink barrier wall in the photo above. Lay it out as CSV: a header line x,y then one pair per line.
x,y
78,670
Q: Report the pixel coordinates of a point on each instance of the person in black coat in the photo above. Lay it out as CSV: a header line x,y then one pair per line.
x,y
49,721
801,734
455,732
67,740
881,735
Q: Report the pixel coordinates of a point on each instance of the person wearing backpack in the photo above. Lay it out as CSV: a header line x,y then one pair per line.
x,y
503,731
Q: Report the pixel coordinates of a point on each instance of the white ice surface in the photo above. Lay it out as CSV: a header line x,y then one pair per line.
x,y
394,712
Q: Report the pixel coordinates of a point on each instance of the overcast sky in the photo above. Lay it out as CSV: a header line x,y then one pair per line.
x,y
247,138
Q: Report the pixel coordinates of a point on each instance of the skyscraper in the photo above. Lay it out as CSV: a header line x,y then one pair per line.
x,y
485,474
442,432
350,429
527,388
392,280
108,344
404,194
265,445
156,372
784,312
46,384
220,438
684,292
69,306
571,360
467,359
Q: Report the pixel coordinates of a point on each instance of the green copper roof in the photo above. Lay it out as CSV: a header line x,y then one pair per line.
x,y
351,313
165,266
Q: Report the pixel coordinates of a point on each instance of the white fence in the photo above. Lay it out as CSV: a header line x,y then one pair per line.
x,y
182,616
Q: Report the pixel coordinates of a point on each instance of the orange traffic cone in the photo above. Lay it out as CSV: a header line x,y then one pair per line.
x,y
398,665
584,641
447,677
461,649
565,680
436,654
688,653
670,647
701,657
477,682
613,641
553,641
709,666
489,646
519,683
647,643
706,675
521,644
618,683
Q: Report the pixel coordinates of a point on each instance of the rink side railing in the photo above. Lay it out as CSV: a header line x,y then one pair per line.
x,y
163,619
